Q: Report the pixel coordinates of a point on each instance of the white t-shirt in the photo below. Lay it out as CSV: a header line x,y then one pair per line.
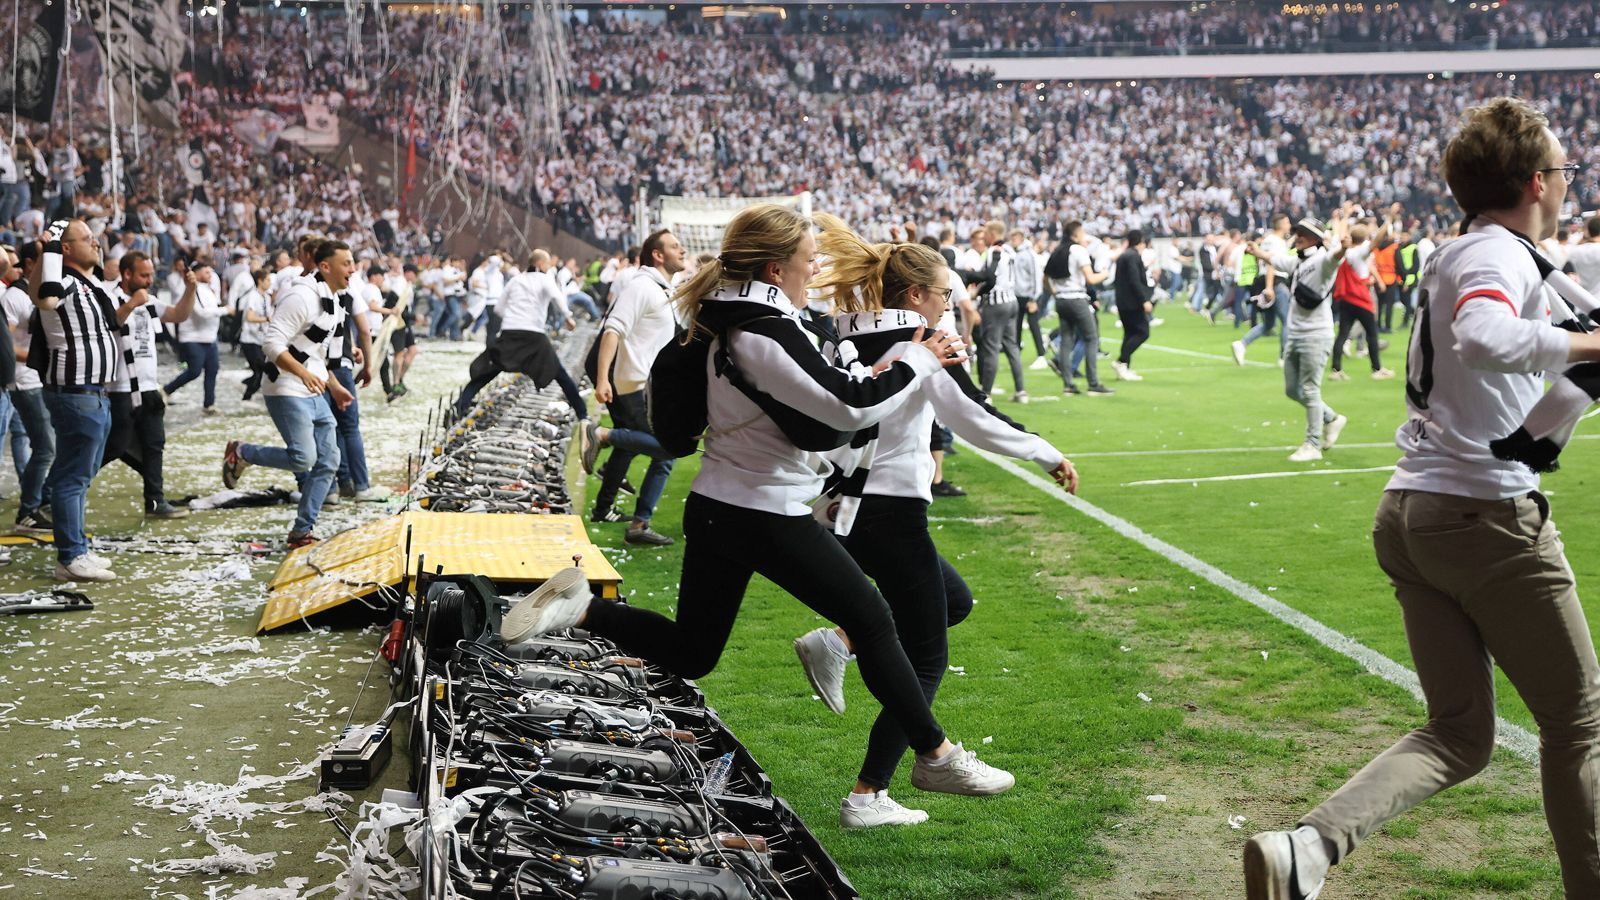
x,y
253,301
201,326
642,317
18,308
1585,261
1487,322
373,295
143,325
527,300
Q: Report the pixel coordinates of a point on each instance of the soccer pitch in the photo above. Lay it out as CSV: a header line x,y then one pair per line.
x,y
1146,710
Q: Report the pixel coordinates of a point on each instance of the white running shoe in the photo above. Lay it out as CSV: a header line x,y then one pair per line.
x,y
1383,375
1308,452
96,560
1285,865
1332,430
556,604
824,667
961,773
1020,397
1338,375
883,810
81,569
1124,373
1238,352
373,495
1040,363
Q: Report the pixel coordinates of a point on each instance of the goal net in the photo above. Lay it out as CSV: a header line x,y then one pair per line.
x,y
698,221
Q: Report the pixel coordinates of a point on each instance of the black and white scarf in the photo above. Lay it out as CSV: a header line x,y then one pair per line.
x,y
327,328
125,338
1547,428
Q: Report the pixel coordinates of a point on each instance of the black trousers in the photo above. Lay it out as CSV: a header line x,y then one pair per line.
x,y
257,359
927,596
1349,315
724,546
999,335
138,437
1135,328
1043,306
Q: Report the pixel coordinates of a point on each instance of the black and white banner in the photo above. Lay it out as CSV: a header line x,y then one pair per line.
x,y
29,81
144,38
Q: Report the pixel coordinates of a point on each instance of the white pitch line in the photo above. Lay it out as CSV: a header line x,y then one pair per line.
x,y
1193,451
1194,353
1254,475
1507,734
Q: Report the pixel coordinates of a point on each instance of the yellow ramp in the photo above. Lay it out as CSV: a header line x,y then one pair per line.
x,y
516,551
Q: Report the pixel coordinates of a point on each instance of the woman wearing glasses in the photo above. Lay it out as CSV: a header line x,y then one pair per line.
x,y
885,294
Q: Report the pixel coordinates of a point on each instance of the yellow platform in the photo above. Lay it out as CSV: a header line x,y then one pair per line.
x,y
516,552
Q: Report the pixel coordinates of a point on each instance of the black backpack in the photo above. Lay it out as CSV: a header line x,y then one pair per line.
x,y
675,398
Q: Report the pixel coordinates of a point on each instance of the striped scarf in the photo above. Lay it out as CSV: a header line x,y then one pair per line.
x,y
125,338
1549,425
329,323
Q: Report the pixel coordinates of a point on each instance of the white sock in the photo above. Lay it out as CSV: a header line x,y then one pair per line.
x,y
836,643
946,757
862,801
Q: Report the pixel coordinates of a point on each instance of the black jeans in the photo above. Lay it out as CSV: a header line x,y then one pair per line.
x,y
1349,314
569,390
1041,308
138,437
1135,329
724,546
927,596
257,359
1078,322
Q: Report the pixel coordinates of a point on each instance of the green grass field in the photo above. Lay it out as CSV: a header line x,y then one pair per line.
x,y
1105,675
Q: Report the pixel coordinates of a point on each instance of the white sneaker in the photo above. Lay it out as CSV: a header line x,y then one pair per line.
x,y
1285,865
81,569
1039,363
824,667
373,495
1332,430
1383,375
961,773
1156,323
1307,453
1338,375
96,560
883,810
1124,373
556,604
1020,397
1238,352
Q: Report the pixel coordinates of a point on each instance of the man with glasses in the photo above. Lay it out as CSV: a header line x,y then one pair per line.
x,y
1466,539
75,351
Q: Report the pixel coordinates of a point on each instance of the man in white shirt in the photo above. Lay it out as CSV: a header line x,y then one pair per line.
x,y
638,324
138,434
255,311
1466,539
523,346
1584,258
26,392
197,335
304,324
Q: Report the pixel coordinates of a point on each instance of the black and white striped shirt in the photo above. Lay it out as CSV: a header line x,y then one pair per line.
x,y
81,334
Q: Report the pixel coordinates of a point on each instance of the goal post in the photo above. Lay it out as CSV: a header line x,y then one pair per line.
x,y
698,222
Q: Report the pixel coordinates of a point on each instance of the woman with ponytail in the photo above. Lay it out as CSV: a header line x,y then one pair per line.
x,y
884,293
748,511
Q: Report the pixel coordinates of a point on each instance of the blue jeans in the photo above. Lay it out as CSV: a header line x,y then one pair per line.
x,y
29,408
14,198
82,422
583,301
11,424
197,358
352,453
447,318
1276,314
311,452
630,438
